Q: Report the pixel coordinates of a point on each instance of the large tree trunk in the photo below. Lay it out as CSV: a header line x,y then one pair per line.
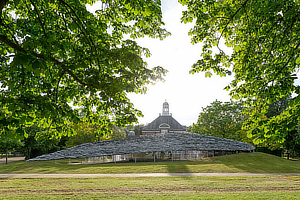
x,y
6,155
29,153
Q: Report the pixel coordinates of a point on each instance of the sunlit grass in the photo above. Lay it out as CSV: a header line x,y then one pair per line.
x,y
238,163
263,187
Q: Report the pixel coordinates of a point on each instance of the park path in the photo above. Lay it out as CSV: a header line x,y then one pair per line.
x,y
12,159
136,175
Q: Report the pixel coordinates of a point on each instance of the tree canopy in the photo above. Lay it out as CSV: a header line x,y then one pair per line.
x,y
292,138
222,119
264,37
86,133
57,57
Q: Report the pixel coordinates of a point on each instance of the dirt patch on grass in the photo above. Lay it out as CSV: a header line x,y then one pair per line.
x,y
128,191
293,178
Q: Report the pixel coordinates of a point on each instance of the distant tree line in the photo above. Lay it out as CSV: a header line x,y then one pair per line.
x,y
38,142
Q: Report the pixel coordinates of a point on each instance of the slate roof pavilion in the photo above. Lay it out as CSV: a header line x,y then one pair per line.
x,y
163,139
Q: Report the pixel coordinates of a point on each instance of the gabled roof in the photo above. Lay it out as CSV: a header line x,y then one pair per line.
x,y
174,125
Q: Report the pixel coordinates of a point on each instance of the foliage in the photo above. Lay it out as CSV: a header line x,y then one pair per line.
x,y
274,109
223,120
83,133
292,142
292,138
189,128
57,57
86,133
277,107
38,142
264,37
8,143
137,129
115,133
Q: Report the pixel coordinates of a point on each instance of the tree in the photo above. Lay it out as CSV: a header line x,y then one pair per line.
x,y
57,57
277,107
292,138
264,37
137,129
292,142
38,142
9,141
85,133
223,120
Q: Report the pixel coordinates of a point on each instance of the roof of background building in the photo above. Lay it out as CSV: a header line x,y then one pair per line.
x,y
174,125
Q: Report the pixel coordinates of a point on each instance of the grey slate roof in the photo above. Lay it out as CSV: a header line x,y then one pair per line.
x,y
174,125
146,144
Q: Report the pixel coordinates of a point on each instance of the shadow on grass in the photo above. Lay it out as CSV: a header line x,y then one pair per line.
x,y
62,166
243,163
177,167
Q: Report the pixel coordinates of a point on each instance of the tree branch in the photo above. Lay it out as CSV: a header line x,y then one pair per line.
x,y
231,19
56,95
53,60
81,27
39,17
13,45
6,70
282,68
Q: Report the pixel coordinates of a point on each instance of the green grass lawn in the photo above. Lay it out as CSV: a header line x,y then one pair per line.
x,y
250,187
263,187
237,163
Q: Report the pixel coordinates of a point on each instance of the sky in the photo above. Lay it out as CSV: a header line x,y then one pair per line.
x,y
185,93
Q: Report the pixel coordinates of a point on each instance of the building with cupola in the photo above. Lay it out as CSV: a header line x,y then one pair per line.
x,y
164,123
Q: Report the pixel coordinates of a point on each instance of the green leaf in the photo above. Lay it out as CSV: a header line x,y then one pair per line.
x,y
208,74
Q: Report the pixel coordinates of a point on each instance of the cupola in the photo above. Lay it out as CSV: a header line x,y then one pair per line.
x,y
165,110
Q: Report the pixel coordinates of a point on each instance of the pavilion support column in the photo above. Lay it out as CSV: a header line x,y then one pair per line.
x,y
154,156
172,155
